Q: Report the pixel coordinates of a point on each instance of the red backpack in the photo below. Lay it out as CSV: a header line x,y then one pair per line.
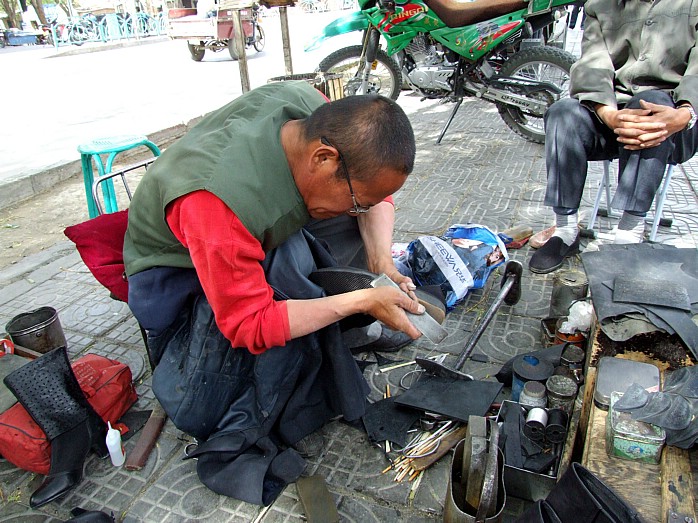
x,y
108,386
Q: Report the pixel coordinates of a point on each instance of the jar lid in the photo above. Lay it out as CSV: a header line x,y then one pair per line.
x,y
572,355
531,368
561,385
534,389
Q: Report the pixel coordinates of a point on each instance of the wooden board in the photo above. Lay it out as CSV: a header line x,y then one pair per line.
x,y
653,489
637,483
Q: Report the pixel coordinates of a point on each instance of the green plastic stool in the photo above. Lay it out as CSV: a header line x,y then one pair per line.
x,y
111,146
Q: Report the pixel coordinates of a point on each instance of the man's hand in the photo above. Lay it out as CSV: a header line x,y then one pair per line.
x,y
645,127
404,282
388,305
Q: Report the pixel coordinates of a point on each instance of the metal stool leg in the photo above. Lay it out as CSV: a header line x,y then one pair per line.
x,y
659,200
604,186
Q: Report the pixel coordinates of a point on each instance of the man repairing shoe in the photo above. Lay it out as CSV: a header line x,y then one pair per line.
x,y
633,95
223,231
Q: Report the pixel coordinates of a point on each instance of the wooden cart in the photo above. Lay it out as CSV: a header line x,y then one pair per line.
x,y
215,30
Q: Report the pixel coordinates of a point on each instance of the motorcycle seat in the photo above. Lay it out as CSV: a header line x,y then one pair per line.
x,y
460,14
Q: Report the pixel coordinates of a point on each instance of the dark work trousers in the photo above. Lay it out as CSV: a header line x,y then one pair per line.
x,y
247,409
574,136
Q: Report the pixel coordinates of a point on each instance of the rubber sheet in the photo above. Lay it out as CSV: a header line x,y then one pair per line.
x,y
454,398
651,262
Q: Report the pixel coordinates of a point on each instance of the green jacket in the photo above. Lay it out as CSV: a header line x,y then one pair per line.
x,y
631,46
235,153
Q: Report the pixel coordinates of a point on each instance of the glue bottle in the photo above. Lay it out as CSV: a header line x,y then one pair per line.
x,y
116,449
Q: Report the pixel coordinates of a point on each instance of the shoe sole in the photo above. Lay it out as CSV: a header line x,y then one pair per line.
x,y
551,269
338,280
546,271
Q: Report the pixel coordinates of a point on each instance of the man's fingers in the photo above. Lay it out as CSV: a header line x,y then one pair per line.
x,y
641,122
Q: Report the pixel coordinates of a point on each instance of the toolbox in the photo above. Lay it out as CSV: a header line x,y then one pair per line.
x,y
525,484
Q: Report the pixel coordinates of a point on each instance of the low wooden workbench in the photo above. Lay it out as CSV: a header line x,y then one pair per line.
x,y
662,492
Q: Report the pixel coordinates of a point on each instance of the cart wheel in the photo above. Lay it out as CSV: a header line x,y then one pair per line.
x,y
196,51
232,49
258,39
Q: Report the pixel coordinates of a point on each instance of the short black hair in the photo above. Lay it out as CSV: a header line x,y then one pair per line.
x,y
371,131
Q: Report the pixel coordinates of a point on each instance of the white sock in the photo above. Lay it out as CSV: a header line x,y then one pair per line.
x,y
631,229
566,227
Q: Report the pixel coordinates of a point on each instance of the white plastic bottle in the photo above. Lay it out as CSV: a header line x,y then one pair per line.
x,y
116,449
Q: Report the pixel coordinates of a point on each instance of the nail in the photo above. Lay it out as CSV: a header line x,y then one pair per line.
x,y
412,286
420,309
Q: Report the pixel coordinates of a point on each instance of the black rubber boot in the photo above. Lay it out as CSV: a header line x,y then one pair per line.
x,y
581,497
50,392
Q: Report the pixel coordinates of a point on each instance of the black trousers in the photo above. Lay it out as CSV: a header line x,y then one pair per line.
x,y
246,409
574,136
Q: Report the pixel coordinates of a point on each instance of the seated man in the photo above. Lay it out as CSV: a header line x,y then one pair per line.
x,y
633,94
248,354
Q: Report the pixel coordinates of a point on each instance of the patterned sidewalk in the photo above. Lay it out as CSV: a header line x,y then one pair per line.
x,y
482,173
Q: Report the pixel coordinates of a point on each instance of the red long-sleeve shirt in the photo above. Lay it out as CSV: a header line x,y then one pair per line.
x,y
228,260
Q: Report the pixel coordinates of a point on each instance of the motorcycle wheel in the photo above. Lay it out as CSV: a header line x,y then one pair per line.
x,y
196,52
259,40
385,78
544,64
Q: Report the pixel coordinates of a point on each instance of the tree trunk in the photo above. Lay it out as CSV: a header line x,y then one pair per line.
x,y
39,8
10,8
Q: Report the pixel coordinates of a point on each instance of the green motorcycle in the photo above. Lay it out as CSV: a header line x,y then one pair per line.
x,y
443,49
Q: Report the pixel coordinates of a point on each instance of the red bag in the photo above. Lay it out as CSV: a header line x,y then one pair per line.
x,y
108,385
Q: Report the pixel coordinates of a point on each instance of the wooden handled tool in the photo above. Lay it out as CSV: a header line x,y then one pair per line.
x,y
138,457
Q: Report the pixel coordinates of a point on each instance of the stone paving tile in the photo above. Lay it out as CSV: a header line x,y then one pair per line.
x,y
481,172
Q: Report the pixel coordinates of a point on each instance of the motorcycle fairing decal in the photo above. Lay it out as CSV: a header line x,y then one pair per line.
x,y
403,13
489,32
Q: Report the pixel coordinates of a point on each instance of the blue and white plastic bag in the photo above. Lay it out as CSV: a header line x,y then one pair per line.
x,y
460,260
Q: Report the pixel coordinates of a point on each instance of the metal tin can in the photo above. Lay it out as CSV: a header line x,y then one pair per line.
x,y
533,394
562,392
568,287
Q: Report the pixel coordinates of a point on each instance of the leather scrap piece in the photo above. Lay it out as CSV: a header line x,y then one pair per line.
x,y
317,501
384,420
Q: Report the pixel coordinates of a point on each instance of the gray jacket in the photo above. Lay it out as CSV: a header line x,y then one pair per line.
x,y
631,46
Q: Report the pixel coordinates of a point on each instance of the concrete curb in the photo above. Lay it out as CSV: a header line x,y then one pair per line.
x,y
96,47
19,190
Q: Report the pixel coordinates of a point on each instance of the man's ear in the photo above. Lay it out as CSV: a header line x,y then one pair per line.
x,y
324,157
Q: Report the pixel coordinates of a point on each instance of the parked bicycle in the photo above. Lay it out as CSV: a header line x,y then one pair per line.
x,y
75,31
140,24
314,6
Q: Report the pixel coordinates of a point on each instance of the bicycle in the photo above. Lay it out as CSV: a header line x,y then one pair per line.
x,y
257,37
143,25
314,6
83,29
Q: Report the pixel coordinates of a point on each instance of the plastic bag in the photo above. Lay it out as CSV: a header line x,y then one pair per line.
x,y
579,318
460,260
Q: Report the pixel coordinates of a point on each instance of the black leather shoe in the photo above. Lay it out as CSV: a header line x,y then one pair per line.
x,y
389,341
310,446
551,255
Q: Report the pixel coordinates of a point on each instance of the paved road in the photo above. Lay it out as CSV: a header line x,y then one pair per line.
x,y
58,99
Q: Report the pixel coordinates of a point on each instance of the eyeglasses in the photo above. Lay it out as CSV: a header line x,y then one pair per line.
x,y
358,209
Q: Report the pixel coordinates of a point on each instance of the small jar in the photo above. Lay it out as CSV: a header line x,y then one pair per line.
x,y
562,392
533,395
